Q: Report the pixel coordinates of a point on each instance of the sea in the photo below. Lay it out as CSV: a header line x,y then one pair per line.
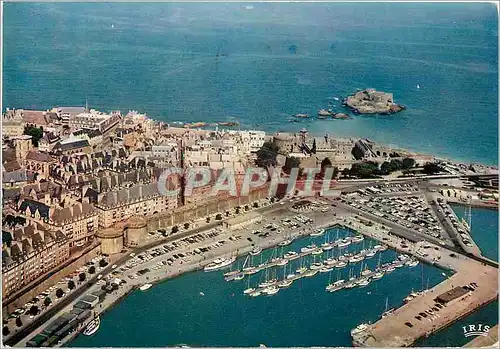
x,y
258,64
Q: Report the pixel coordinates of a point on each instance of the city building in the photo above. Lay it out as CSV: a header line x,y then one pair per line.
x,y
28,252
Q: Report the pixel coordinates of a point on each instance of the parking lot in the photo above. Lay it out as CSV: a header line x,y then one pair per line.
x,y
52,295
412,212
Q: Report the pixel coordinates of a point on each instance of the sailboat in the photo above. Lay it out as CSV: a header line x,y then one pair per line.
x,y
366,280
326,246
286,281
387,311
351,282
378,272
301,269
337,285
249,289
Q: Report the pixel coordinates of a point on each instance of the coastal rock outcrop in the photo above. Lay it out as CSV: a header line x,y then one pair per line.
x,y
371,101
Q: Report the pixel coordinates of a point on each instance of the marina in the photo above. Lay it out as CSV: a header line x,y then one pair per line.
x,y
233,299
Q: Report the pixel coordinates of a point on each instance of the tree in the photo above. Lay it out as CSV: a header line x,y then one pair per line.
x,y
408,163
237,211
34,132
47,301
5,331
345,172
19,323
228,213
266,155
33,310
71,284
82,277
378,152
92,270
291,162
175,229
208,220
186,225
103,263
246,207
218,217
60,292
367,169
432,168
255,205
313,148
326,163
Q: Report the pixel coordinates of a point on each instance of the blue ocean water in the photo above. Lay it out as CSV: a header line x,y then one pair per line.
x,y
304,314
275,60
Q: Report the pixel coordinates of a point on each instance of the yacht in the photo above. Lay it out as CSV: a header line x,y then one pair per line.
x,y
350,285
232,273
399,265
301,270
357,238
282,262
316,265
326,246
290,254
370,253
92,326
285,283
412,263
255,251
411,296
249,290
356,259
267,283
290,276
364,282
378,275
388,312
251,271
255,294
317,251
359,329
308,248
239,277
311,272
325,269
344,243
366,272
317,232
390,269
145,287
330,261
271,290
337,285
341,264
220,263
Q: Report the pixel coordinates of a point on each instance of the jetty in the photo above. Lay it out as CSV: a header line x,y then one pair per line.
x,y
473,284
283,260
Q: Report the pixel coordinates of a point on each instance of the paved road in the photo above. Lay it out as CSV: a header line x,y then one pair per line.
x,y
415,236
49,314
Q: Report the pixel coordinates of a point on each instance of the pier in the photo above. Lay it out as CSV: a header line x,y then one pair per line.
x,y
473,285
317,250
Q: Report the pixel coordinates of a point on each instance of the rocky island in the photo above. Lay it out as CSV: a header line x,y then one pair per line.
x,y
371,101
